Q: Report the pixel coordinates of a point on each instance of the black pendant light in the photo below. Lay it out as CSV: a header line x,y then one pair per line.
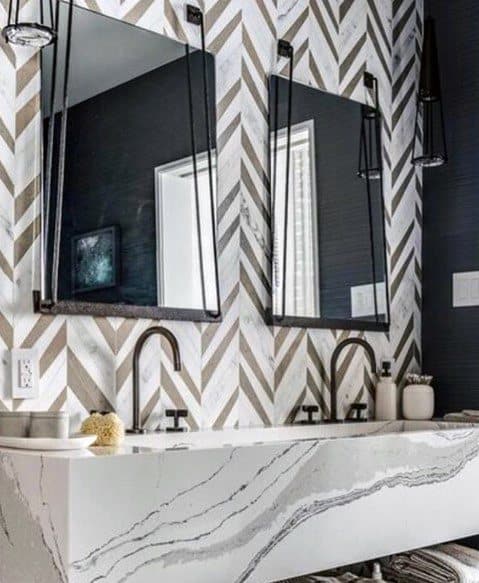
x,y
37,33
429,106
370,158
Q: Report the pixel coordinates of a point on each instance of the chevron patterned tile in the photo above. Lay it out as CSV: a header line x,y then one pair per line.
x,y
293,26
220,342
320,344
125,336
404,197
256,339
324,44
90,365
7,177
290,374
352,48
239,371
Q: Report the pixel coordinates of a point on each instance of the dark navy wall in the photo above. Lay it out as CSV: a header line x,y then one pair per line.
x,y
451,214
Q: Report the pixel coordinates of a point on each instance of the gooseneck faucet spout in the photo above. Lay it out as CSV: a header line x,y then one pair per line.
x,y
137,426
334,361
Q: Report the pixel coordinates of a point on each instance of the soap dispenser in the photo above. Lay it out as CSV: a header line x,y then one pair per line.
x,y
376,574
386,406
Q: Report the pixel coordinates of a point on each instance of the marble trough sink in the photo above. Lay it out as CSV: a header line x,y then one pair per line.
x,y
236,506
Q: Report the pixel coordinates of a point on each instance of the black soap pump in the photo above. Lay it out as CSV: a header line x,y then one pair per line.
x,y
386,404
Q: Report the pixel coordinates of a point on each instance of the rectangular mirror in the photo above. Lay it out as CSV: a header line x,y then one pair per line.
x,y
329,252
129,172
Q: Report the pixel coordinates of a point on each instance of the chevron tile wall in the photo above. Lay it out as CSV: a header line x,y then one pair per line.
x,y
238,372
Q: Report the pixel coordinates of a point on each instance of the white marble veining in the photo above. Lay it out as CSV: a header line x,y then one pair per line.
x,y
252,505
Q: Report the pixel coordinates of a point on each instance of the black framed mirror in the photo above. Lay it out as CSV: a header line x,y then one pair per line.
x,y
329,265
129,172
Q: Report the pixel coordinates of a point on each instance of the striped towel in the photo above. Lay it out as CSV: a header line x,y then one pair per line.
x,y
448,563
466,416
346,578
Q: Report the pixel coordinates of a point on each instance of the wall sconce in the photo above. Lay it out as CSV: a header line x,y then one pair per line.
x,y
37,34
429,106
370,154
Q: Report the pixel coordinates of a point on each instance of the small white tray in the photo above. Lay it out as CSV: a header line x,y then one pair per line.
x,y
48,443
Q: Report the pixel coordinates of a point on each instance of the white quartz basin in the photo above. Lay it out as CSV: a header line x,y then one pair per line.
x,y
251,505
207,439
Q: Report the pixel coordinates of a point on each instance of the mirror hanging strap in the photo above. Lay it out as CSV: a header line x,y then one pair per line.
x,y
195,16
61,165
285,49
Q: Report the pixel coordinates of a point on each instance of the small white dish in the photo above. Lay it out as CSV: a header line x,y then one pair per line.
x,y
48,443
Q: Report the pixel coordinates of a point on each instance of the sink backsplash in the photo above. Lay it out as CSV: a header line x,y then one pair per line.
x,y
238,372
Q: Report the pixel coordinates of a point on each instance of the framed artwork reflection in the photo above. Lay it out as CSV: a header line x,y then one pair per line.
x,y
95,259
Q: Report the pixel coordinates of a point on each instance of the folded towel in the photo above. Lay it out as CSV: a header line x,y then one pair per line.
x,y
462,417
471,413
345,578
449,563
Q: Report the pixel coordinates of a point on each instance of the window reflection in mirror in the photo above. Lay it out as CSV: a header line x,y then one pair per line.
x,y
175,205
132,230
329,265
302,258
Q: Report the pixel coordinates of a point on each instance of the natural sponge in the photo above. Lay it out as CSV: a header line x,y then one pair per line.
x,y
108,428
91,425
111,430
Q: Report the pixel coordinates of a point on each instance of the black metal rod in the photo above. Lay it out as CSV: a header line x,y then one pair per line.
x,y
370,213
430,128
51,14
379,148
361,154
416,131
10,9
210,167
195,173
61,162
443,131
286,193
17,11
47,186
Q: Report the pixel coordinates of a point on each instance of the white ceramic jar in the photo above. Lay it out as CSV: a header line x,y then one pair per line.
x,y
50,424
14,423
418,402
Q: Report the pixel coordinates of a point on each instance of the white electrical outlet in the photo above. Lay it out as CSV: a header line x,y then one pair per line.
x,y
24,373
465,289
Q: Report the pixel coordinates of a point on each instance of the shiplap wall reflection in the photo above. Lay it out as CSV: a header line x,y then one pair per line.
x,y
240,371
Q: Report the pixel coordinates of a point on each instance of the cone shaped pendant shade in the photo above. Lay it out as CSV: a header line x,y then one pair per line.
x,y
430,151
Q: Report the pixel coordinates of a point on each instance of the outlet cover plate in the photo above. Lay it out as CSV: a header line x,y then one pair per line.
x,y
465,289
25,373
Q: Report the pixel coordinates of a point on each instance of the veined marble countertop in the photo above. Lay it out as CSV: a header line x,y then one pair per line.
x,y
236,506
236,437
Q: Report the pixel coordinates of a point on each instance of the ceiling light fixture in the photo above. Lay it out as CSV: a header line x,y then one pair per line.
x,y
38,34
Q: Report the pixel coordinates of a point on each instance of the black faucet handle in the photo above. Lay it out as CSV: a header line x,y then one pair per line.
x,y
176,414
356,410
310,410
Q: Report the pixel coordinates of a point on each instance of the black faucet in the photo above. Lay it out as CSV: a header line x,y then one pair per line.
x,y
334,361
137,427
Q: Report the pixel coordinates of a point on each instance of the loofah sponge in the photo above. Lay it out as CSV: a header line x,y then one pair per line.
x,y
111,430
108,428
91,425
